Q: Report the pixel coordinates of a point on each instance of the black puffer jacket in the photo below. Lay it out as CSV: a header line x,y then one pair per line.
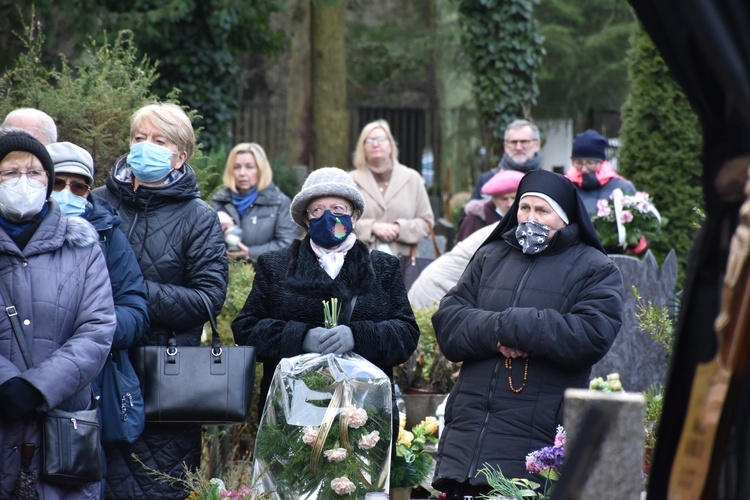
x,y
563,307
180,250
286,301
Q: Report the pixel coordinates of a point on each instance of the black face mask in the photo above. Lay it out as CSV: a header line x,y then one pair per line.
x,y
589,181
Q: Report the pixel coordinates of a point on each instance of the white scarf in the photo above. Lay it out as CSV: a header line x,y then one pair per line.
x,y
332,259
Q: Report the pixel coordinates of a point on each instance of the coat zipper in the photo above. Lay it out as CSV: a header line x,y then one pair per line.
x,y
514,299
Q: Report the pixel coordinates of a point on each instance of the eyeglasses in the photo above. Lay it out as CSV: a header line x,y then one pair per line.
x,y
32,175
335,209
523,143
77,188
372,140
579,164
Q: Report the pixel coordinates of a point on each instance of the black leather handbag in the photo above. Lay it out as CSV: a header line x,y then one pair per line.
x,y
210,385
71,448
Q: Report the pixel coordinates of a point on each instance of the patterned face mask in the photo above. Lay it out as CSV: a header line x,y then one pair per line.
x,y
533,236
328,230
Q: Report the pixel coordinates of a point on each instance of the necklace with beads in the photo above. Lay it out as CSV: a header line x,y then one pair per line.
x,y
382,186
509,366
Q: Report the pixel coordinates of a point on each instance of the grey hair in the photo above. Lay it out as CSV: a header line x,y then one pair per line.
x,y
517,124
44,121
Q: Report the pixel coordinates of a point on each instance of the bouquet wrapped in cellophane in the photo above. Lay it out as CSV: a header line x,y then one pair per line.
x,y
326,429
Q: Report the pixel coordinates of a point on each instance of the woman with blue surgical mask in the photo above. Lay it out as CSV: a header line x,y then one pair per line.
x,y
180,249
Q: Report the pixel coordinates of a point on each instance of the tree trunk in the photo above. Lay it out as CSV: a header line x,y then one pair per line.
x,y
298,100
329,114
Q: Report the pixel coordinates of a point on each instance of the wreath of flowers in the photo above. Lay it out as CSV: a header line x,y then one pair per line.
x,y
346,455
412,462
626,221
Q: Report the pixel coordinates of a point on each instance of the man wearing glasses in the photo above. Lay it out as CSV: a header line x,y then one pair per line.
x,y
592,174
521,152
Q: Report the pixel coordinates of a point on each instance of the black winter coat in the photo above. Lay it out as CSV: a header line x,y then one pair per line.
x,y
563,307
180,249
286,301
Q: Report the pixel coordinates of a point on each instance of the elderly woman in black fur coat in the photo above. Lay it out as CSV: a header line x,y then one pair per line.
x,y
283,315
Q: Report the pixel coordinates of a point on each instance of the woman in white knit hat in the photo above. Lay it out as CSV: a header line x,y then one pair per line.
x,y
283,315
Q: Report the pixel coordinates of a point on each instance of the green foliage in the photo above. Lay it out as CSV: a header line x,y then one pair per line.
x,y
92,102
412,463
241,275
427,368
209,170
505,51
584,67
196,44
509,488
661,146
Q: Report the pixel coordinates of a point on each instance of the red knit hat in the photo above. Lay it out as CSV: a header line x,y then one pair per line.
x,y
505,181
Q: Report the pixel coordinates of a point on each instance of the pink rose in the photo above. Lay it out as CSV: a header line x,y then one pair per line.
x,y
356,417
335,455
369,440
342,486
309,434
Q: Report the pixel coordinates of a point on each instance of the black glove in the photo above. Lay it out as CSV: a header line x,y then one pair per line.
x,y
18,398
340,341
315,338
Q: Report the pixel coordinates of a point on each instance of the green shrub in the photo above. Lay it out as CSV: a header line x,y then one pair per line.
x,y
661,147
92,102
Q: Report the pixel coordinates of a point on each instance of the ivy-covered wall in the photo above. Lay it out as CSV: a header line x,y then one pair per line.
x,y
661,147
505,51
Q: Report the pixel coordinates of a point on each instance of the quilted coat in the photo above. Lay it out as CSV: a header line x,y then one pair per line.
x,y
266,225
563,307
286,301
61,290
180,249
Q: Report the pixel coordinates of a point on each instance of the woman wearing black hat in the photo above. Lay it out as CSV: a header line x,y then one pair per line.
x,y
537,306
57,280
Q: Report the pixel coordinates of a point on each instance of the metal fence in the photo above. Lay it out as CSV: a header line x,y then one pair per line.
x,y
452,134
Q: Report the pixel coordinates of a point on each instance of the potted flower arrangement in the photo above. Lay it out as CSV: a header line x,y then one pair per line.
x,y
546,463
412,463
624,222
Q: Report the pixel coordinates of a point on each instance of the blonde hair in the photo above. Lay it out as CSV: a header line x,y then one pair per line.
x,y
360,163
265,174
170,120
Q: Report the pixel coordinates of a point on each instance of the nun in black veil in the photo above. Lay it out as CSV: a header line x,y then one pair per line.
x,y
537,306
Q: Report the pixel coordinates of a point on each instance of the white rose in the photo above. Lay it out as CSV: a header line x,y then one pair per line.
x,y
369,440
342,486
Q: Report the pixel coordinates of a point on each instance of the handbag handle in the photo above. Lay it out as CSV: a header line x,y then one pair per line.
x,y
215,340
10,310
413,249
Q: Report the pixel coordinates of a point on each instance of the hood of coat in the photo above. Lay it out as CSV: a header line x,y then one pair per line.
x,y
103,216
184,188
54,231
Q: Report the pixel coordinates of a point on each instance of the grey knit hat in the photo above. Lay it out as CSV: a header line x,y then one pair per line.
x,y
326,181
71,159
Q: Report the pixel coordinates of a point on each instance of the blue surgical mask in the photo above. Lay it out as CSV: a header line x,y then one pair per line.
x,y
533,236
150,162
71,204
328,230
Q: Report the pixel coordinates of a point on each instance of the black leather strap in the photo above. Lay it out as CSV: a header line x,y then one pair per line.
x,y
10,310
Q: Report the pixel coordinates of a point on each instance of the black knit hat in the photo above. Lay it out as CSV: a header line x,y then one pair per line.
x,y
589,144
22,141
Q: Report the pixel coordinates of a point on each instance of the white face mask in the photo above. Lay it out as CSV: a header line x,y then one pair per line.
x,y
21,199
